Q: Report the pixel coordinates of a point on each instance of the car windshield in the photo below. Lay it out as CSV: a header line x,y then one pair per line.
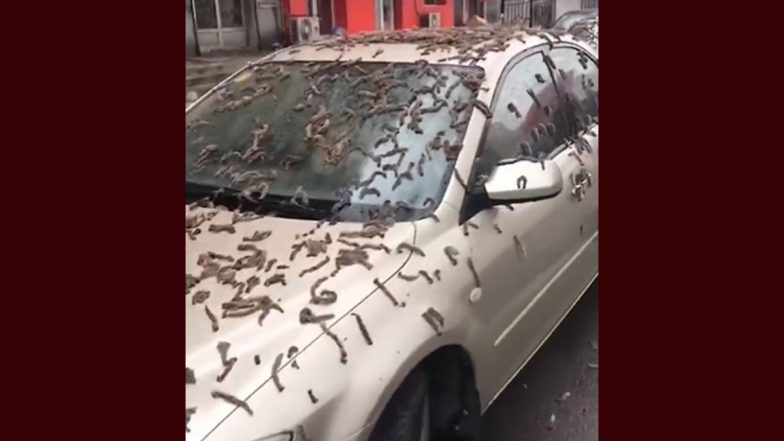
x,y
363,135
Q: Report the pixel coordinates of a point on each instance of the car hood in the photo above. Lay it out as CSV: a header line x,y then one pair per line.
x,y
256,346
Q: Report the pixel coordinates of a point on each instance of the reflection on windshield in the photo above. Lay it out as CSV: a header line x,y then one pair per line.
x,y
373,133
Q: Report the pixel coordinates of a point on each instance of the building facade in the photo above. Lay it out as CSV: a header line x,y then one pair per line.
x,y
261,24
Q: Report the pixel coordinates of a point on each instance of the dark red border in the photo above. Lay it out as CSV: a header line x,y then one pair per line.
x,y
92,164
92,150
690,170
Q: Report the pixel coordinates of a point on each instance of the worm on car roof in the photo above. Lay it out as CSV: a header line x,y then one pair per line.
x,y
306,316
200,296
275,368
497,228
363,329
343,354
385,291
213,319
408,278
231,399
190,376
437,274
412,248
189,411
473,271
426,276
314,267
312,397
451,252
434,319
227,228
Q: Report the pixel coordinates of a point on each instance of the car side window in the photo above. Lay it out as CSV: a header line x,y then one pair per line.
x,y
527,117
577,77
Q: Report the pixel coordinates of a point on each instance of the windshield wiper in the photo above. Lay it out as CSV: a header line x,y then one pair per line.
x,y
317,209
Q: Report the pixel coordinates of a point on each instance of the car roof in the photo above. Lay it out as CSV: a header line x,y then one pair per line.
x,y
485,47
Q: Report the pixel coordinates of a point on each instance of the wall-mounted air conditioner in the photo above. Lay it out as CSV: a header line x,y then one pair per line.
x,y
304,29
434,20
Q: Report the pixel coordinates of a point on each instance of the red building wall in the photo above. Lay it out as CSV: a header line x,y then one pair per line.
x,y
412,9
360,15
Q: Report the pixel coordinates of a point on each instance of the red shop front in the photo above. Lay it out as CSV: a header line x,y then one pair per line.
x,y
355,16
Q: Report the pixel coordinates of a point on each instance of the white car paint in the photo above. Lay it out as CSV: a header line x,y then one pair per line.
x,y
520,301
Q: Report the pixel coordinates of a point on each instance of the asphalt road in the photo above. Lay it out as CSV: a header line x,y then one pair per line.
x,y
566,363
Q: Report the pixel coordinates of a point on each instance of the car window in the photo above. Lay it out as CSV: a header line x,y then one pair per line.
x,y
577,77
527,116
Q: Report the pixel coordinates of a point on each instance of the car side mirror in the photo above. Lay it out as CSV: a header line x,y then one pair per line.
x,y
522,181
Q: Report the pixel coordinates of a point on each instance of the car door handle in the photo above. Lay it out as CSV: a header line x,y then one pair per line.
x,y
580,182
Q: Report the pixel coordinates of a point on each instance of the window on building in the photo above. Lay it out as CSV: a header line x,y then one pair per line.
x,y
528,119
205,14
231,13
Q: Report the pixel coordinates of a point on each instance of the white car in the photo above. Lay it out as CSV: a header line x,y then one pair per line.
x,y
382,230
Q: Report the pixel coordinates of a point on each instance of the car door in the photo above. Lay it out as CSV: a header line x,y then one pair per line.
x,y
577,77
524,252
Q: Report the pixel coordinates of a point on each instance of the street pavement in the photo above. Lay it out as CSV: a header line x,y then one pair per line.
x,y
561,381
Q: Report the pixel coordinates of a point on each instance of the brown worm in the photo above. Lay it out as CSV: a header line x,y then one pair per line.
x,y
275,367
407,278
213,319
473,272
385,291
343,354
315,267
434,319
412,248
451,252
363,329
231,399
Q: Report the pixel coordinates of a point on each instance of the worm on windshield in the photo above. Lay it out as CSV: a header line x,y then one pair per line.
x,y
231,399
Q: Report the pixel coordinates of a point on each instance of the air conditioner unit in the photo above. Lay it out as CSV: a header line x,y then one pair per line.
x,y
434,20
304,29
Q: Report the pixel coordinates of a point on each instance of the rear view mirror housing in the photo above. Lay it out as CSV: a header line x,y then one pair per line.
x,y
523,181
